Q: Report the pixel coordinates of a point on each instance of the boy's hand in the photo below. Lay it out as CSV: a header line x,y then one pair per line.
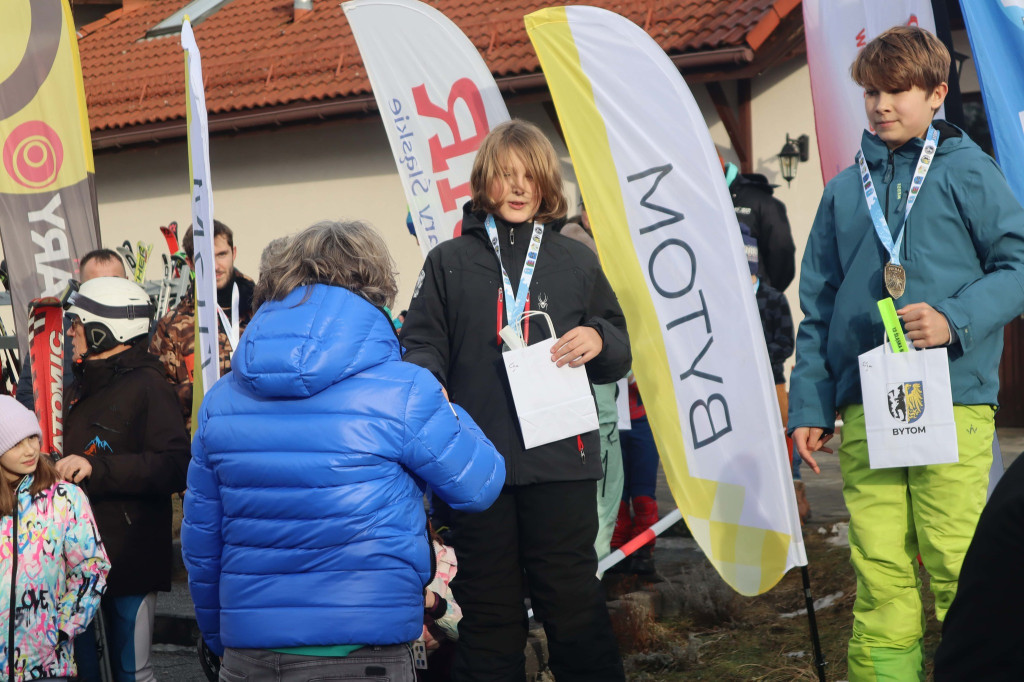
x,y
576,347
808,439
925,325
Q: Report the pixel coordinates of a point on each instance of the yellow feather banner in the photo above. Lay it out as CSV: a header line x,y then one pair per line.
x,y
670,244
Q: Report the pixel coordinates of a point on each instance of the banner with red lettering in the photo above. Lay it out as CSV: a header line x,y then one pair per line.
x,y
48,212
836,32
437,100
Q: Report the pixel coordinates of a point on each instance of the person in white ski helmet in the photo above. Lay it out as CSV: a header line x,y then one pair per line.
x,y
110,312
128,449
96,263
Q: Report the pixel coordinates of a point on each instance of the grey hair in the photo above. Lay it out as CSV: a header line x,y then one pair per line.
x,y
272,252
344,254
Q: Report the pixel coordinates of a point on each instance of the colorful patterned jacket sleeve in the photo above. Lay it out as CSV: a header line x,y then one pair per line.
x,y
87,564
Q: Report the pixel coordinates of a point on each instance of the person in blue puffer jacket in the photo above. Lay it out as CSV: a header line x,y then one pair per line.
x,y
305,532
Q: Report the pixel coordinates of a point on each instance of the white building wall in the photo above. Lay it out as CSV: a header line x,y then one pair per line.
x,y
270,183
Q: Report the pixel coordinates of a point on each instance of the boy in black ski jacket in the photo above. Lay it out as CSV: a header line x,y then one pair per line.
x,y
544,523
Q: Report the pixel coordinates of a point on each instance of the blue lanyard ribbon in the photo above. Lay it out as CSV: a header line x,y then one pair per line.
x,y
517,302
924,163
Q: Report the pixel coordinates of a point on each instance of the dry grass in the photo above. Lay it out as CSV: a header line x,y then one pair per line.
x,y
755,643
176,515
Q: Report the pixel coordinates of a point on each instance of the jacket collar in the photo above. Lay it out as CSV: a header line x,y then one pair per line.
x,y
25,482
877,152
473,222
95,374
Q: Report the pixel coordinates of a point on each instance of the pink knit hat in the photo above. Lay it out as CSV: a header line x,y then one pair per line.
x,y
16,423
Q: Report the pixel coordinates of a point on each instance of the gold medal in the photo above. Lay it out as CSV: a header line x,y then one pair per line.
x,y
895,279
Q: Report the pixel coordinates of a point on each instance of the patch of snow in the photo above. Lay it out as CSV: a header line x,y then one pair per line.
x,y
840,535
819,604
795,654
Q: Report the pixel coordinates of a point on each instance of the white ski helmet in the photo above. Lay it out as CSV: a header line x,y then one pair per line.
x,y
113,310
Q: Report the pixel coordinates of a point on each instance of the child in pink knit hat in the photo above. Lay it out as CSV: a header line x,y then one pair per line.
x,y
57,553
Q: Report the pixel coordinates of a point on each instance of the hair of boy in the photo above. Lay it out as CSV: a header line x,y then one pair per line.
x,y
219,230
343,254
100,256
527,142
899,59
272,252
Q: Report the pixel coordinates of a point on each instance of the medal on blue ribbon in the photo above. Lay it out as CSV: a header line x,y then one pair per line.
x,y
894,275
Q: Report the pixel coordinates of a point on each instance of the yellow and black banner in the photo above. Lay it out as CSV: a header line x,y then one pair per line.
x,y
48,215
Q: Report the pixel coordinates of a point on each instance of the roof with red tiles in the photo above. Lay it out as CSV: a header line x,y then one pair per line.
x,y
256,54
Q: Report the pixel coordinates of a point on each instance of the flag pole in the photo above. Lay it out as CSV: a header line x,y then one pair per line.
x,y
819,659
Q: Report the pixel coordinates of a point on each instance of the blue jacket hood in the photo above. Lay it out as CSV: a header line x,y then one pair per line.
x,y
290,348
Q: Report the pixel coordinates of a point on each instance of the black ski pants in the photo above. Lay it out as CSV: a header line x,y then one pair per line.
x,y
546,532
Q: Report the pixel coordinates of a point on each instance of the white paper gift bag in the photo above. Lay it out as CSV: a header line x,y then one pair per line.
x,y
908,407
552,402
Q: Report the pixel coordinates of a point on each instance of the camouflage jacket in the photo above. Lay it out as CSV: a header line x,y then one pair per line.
x,y
173,343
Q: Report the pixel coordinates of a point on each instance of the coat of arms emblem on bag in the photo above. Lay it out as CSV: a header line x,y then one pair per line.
x,y
906,401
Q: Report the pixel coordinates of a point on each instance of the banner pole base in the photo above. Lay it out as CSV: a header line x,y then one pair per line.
x,y
819,659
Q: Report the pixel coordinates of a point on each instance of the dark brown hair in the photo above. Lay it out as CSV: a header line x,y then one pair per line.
x,y
899,59
100,256
44,476
219,230
526,141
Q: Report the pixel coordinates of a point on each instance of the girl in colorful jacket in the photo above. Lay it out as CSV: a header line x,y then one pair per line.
x,y
53,567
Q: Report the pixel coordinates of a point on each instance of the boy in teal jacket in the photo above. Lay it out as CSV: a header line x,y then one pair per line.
x,y
961,265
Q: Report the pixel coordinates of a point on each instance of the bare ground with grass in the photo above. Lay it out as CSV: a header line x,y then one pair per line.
x,y
744,638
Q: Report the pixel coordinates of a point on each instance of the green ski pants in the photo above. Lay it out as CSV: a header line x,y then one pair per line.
x,y
896,514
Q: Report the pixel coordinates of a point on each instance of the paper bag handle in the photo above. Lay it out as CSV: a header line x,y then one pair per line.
x,y
531,313
887,347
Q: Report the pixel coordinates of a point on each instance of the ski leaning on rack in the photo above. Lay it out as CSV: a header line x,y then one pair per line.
x,y
177,273
10,367
170,233
46,353
126,252
141,261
